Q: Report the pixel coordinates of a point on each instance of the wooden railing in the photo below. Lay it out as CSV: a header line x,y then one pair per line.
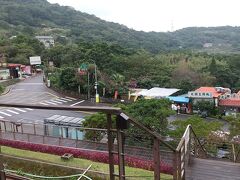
x,y
121,123
188,146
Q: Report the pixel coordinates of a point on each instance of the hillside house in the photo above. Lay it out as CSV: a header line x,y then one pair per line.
x,y
212,94
230,106
48,41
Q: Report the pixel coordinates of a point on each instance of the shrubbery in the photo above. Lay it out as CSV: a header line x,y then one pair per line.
x,y
86,154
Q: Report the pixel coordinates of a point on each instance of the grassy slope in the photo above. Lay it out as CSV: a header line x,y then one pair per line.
x,y
76,162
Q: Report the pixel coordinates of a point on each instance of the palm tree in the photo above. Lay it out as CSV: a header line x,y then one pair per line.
x,y
119,83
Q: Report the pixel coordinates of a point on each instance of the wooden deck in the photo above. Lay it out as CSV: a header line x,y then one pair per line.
x,y
205,169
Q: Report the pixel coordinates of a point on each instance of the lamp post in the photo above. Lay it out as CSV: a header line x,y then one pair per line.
x,y
96,82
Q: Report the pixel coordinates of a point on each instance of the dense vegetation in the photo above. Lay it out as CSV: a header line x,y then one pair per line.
x,y
151,113
38,17
124,58
120,68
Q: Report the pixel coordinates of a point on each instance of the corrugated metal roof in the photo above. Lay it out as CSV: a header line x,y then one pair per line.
x,y
64,120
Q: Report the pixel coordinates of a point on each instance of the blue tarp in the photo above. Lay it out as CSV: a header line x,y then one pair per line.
x,y
178,99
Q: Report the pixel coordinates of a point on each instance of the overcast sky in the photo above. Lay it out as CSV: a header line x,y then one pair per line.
x,y
161,15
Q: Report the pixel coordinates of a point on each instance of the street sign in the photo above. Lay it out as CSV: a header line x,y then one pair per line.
x,y
82,70
34,60
84,67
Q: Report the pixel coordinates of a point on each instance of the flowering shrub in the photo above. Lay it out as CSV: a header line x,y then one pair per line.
x,y
93,155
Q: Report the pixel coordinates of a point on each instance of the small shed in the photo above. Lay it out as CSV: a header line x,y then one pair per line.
x,y
183,102
63,126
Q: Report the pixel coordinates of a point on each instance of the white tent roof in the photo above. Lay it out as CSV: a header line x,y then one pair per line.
x,y
138,92
158,92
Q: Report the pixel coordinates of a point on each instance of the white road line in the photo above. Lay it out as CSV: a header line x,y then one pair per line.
x,y
5,114
67,99
43,103
60,100
18,89
49,102
12,111
56,101
1,117
33,83
21,110
77,103
29,109
70,98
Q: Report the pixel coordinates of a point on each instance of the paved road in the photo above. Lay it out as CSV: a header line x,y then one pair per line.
x,y
208,119
34,91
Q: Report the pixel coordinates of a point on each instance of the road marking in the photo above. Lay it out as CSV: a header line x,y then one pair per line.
x,y
43,103
49,102
29,109
77,103
67,99
18,89
56,101
70,98
12,111
32,83
60,100
52,94
5,113
21,110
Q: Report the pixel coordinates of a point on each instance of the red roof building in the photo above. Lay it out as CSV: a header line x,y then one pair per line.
x,y
215,91
230,106
231,102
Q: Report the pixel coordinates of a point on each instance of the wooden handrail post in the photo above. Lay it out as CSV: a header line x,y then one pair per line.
x,y
156,157
183,160
110,147
121,165
175,166
2,173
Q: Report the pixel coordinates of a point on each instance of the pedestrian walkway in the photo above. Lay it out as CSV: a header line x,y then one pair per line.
x,y
57,101
13,111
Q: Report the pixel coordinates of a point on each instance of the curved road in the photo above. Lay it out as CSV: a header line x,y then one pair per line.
x,y
34,91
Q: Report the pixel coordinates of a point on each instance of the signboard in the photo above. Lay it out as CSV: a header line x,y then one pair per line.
x,y
195,94
82,70
34,60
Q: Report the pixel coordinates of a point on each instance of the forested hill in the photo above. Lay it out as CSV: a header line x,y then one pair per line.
x,y
38,17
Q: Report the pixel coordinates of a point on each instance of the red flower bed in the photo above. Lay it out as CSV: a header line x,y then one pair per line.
x,y
85,154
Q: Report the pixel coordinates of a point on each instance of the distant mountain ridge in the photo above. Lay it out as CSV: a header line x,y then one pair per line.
x,y
38,17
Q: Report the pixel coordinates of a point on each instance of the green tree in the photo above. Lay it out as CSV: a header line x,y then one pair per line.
x,y
206,106
98,120
151,113
201,127
68,79
234,122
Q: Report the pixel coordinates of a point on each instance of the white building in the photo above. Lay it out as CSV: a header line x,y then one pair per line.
x,y
48,41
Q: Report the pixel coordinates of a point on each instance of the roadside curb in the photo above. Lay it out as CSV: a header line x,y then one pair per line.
x,y
6,91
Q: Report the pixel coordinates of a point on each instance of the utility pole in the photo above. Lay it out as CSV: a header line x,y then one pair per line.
x,y
96,83
88,86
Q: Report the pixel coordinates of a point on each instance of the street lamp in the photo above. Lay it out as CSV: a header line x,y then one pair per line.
x,y
96,83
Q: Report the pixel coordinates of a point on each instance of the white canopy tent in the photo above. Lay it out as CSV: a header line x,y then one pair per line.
x,y
157,92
